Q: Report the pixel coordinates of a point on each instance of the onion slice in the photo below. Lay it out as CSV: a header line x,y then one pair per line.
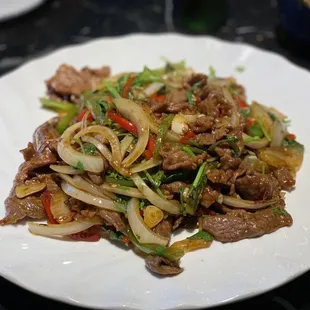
x,y
93,200
133,112
153,88
59,229
155,199
72,157
125,143
122,190
59,209
65,169
99,145
140,230
245,204
259,144
277,134
151,163
110,135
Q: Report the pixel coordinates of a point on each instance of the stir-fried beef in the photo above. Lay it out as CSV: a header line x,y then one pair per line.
x,y
202,124
239,224
220,176
68,81
172,188
229,162
200,78
209,196
37,155
112,218
164,228
175,158
257,186
284,178
163,266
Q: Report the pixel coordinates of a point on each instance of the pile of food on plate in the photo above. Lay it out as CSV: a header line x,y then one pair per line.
x,y
136,156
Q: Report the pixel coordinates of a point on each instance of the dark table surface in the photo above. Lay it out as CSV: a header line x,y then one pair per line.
x,y
58,23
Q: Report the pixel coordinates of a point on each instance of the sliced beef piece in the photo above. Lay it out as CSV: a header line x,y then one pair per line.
x,y
172,188
198,78
75,205
17,209
38,160
164,228
229,162
175,158
202,124
257,186
210,138
239,224
112,218
209,107
178,222
68,81
157,106
163,266
285,178
209,196
37,155
220,176
176,100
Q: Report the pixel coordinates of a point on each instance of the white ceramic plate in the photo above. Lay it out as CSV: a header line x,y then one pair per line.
x,y
101,275
13,8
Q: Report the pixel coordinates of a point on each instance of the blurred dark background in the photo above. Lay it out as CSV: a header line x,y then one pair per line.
x,y
281,26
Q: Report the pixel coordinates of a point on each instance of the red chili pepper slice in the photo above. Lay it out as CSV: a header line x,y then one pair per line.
x,y
127,86
81,115
124,123
291,136
125,239
150,148
46,198
251,122
86,235
158,98
189,135
241,103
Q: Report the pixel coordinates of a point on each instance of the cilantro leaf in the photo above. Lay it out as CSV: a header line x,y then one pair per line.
x,y
190,97
90,149
79,165
240,69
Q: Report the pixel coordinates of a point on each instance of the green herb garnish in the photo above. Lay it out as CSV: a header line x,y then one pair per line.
x,y
262,127
201,235
240,69
188,151
197,85
245,112
251,139
291,142
79,142
255,131
272,116
279,211
212,73
79,165
56,105
190,98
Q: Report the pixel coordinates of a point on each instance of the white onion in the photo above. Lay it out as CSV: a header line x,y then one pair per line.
x,y
151,163
170,136
153,88
244,204
65,169
59,209
179,125
259,144
88,198
277,134
133,112
91,188
125,143
190,118
58,229
122,190
72,157
234,113
99,145
155,199
140,230
108,134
